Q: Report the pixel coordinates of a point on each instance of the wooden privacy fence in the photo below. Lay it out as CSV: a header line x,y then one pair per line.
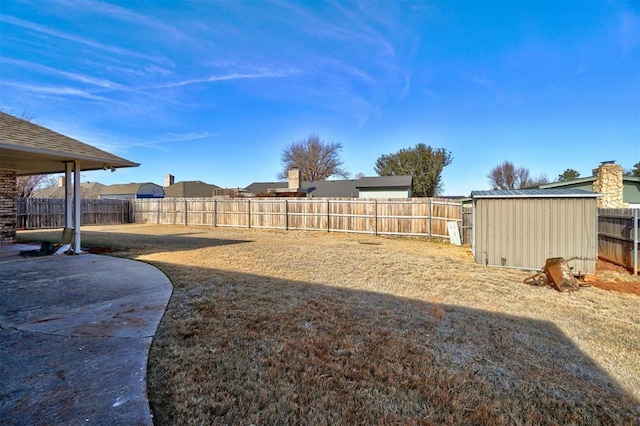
x,y
416,216
618,236
40,213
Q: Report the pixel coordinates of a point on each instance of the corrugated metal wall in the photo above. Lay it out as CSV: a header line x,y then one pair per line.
x,y
524,232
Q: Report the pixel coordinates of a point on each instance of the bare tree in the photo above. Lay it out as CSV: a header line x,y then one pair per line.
x,y
540,180
25,185
25,115
316,159
508,176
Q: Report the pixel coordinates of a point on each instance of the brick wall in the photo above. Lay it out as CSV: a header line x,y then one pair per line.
x,y
8,199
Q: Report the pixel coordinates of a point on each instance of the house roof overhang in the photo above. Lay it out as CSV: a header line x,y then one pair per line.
x,y
29,149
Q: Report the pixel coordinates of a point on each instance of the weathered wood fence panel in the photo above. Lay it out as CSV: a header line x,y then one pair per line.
x,y
618,236
416,216
309,215
41,213
467,223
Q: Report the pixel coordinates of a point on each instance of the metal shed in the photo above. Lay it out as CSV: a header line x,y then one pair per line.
x,y
522,228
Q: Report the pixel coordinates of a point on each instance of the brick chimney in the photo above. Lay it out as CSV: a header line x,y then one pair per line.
x,y
609,183
295,177
169,180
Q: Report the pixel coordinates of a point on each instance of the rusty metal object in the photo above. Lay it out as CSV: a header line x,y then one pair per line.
x,y
538,279
559,274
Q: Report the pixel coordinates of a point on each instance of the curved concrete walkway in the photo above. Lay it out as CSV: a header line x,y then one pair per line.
x,y
75,333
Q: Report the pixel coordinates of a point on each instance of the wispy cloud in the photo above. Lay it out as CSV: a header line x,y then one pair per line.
x,y
478,80
54,90
227,77
76,39
159,142
350,28
159,28
82,78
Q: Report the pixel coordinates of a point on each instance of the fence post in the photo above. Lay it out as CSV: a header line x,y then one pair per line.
x,y
635,241
286,214
328,217
215,213
185,212
430,218
249,213
158,211
375,217
462,224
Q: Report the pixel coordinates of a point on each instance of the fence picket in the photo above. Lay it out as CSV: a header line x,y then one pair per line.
x,y
618,237
42,213
415,216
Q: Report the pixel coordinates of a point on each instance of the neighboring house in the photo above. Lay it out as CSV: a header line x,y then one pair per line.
x,y
190,189
618,190
366,187
385,187
132,191
87,190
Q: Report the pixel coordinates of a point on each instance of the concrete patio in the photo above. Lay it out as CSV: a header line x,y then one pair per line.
x,y
75,333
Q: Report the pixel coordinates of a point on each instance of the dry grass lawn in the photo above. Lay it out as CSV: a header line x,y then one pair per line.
x,y
269,327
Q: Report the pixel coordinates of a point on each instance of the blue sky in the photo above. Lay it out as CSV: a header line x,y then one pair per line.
x,y
214,91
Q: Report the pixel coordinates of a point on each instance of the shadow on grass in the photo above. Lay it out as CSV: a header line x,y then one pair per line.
x,y
120,241
239,348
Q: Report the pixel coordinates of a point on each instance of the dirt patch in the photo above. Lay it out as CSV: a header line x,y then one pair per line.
x,y
612,277
619,287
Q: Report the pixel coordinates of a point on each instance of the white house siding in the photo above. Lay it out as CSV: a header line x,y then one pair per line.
x,y
380,193
150,190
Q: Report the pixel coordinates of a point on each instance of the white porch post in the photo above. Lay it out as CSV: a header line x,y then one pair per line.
x,y
68,201
77,215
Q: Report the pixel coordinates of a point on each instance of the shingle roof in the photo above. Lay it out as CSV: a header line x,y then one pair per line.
x,y
535,193
337,188
87,190
124,188
190,189
332,188
385,182
264,187
29,148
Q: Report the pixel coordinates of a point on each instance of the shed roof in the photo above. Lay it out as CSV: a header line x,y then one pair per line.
x,y
31,149
535,193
